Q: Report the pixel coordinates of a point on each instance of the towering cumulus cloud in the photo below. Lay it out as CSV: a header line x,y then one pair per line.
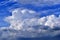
x,y
25,18
27,23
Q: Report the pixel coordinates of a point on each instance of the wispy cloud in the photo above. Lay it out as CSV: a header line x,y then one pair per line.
x,y
38,2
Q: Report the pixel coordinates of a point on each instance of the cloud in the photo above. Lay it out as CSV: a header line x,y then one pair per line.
x,y
27,23
38,2
20,17
25,17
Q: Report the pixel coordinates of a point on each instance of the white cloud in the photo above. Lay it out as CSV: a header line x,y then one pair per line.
x,y
30,26
25,17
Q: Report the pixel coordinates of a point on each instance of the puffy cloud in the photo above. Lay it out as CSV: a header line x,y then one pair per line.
x,y
20,18
25,23
52,21
25,17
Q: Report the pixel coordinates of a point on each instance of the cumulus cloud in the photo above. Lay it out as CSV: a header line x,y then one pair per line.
x,y
25,17
21,17
27,23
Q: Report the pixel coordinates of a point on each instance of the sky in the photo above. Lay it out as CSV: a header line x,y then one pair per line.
x,y
29,19
6,6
